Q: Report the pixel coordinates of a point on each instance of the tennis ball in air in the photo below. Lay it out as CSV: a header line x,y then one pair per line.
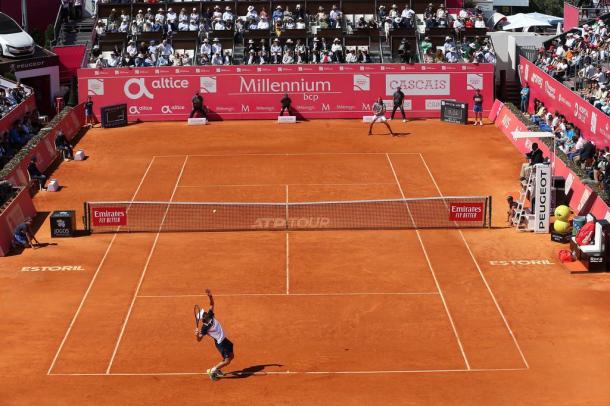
x,y
561,226
214,211
562,213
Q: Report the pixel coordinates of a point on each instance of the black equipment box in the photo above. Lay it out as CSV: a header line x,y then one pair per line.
x,y
63,223
114,116
454,112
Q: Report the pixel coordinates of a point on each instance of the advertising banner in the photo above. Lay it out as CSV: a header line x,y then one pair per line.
x,y
542,210
466,212
254,92
109,216
592,123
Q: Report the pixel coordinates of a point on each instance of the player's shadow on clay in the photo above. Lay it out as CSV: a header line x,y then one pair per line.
x,y
249,371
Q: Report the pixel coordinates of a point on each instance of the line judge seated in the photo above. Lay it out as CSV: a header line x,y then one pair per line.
x,y
286,105
198,108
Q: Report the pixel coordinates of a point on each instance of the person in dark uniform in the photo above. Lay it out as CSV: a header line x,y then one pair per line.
x,y
286,102
63,146
399,97
23,236
35,174
212,327
89,119
198,110
379,112
404,50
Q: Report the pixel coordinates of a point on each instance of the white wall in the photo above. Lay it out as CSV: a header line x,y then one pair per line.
x,y
505,43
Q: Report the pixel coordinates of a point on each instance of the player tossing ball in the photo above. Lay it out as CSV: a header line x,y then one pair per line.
x,y
211,326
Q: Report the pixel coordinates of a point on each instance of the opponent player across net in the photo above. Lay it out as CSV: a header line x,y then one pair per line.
x,y
379,112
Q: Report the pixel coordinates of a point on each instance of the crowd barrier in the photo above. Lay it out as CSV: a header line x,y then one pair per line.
x,y
254,92
45,151
593,123
22,206
10,217
582,199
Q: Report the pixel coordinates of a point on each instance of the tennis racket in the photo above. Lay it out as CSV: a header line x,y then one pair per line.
x,y
197,311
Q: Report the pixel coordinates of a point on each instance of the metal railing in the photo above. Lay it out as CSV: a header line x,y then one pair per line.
x,y
529,52
56,27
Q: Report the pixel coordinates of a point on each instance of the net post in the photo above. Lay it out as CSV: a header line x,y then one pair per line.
x,y
86,217
489,211
287,215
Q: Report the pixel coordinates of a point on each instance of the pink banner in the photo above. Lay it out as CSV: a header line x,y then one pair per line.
x,y
20,208
45,149
592,123
582,199
254,92
571,16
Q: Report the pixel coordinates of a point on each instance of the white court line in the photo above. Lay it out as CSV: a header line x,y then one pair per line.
x,y
287,154
293,294
287,249
291,184
285,373
82,302
438,287
150,254
493,297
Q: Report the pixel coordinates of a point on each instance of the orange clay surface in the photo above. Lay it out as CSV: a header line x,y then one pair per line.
x,y
317,318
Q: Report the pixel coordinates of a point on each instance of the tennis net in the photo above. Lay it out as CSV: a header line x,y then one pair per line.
x,y
418,213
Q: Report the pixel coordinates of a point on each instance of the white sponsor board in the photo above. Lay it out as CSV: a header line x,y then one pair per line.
x,y
197,121
433,84
286,119
543,198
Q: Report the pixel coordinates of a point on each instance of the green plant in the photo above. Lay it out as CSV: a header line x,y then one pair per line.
x,y
49,36
37,36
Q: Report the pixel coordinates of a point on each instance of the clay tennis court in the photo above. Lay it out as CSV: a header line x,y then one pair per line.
x,y
317,317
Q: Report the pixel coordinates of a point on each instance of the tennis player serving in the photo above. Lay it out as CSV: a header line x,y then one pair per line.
x,y
211,326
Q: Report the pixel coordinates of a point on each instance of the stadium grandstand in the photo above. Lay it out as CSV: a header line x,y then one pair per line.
x,y
304,202
225,33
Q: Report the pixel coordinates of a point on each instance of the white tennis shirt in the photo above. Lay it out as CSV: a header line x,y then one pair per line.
x,y
215,331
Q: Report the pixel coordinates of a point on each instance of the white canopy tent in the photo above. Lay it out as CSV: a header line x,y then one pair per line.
x,y
525,21
550,19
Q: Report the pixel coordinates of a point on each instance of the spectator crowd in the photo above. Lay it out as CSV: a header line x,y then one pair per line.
x,y
593,161
283,47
